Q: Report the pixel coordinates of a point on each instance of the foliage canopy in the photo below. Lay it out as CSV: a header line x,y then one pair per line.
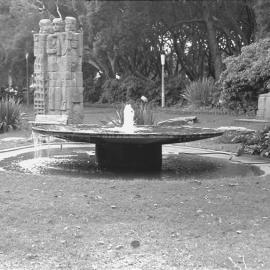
x,y
246,76
127,38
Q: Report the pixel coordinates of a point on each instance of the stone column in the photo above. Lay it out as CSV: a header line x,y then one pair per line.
x,y
73,65
263,111
63,62
40,67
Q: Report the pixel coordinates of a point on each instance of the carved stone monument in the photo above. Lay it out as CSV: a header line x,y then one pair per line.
x,y
58,69
263,111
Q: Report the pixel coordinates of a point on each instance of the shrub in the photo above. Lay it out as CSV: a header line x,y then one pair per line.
x,y
111,92
129,88
92,90
118,119
143,114
174,87
246,76
133,87
201,92
10,114
256,143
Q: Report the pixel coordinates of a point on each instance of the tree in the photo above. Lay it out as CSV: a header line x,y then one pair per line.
x,y
214,52
246,76
211,28
262,9
127,37
18,19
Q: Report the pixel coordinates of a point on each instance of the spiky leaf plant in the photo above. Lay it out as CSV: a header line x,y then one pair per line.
x,y
118,119
200,93
143,114
10,114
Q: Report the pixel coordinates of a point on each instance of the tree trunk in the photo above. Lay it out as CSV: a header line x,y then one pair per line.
x,y
112,61
189,72
215,56
262,10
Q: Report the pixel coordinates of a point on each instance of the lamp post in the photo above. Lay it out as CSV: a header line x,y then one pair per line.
x,y
27,79
162,58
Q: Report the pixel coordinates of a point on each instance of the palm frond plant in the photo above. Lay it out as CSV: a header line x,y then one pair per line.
x,y
118,119
200,93
143,113
10,114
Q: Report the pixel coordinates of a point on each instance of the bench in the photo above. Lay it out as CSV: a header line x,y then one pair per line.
x,y
50,119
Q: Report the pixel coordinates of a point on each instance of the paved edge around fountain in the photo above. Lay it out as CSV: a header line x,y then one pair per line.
x,y
261,163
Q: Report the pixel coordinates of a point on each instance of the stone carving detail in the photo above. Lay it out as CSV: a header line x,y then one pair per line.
x,y
58,69
59,25
70,24
45,26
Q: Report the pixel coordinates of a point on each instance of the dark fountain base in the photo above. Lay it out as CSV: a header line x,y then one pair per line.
x,y
129,157
140,150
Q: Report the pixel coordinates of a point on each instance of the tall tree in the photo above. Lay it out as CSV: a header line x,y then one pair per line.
x,y
18,19
262,11
201,31
128,36
214,52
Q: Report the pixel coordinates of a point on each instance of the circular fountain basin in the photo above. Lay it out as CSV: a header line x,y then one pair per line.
x,y
136,149
141,134
180,163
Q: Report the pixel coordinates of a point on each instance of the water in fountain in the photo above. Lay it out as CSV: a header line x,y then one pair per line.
x,y
128,122
128,125
39,141
43,154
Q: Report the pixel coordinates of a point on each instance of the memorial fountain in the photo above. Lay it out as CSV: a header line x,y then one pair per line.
x,y
58,72
129,147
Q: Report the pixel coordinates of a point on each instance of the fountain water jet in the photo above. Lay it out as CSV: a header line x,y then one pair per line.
x,y
128,125
128,147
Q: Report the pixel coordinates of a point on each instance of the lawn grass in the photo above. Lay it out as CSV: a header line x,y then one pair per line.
x,y
56,222
75,223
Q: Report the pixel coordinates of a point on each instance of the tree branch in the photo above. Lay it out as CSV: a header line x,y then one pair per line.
x,y
57,9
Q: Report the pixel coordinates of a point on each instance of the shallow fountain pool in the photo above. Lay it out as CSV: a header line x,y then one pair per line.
x,y
78,160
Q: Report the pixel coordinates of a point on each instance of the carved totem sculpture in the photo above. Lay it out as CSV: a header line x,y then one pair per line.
x,y
58,69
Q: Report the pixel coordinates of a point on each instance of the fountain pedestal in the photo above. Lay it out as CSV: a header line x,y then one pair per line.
x,y
133,157
134,151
